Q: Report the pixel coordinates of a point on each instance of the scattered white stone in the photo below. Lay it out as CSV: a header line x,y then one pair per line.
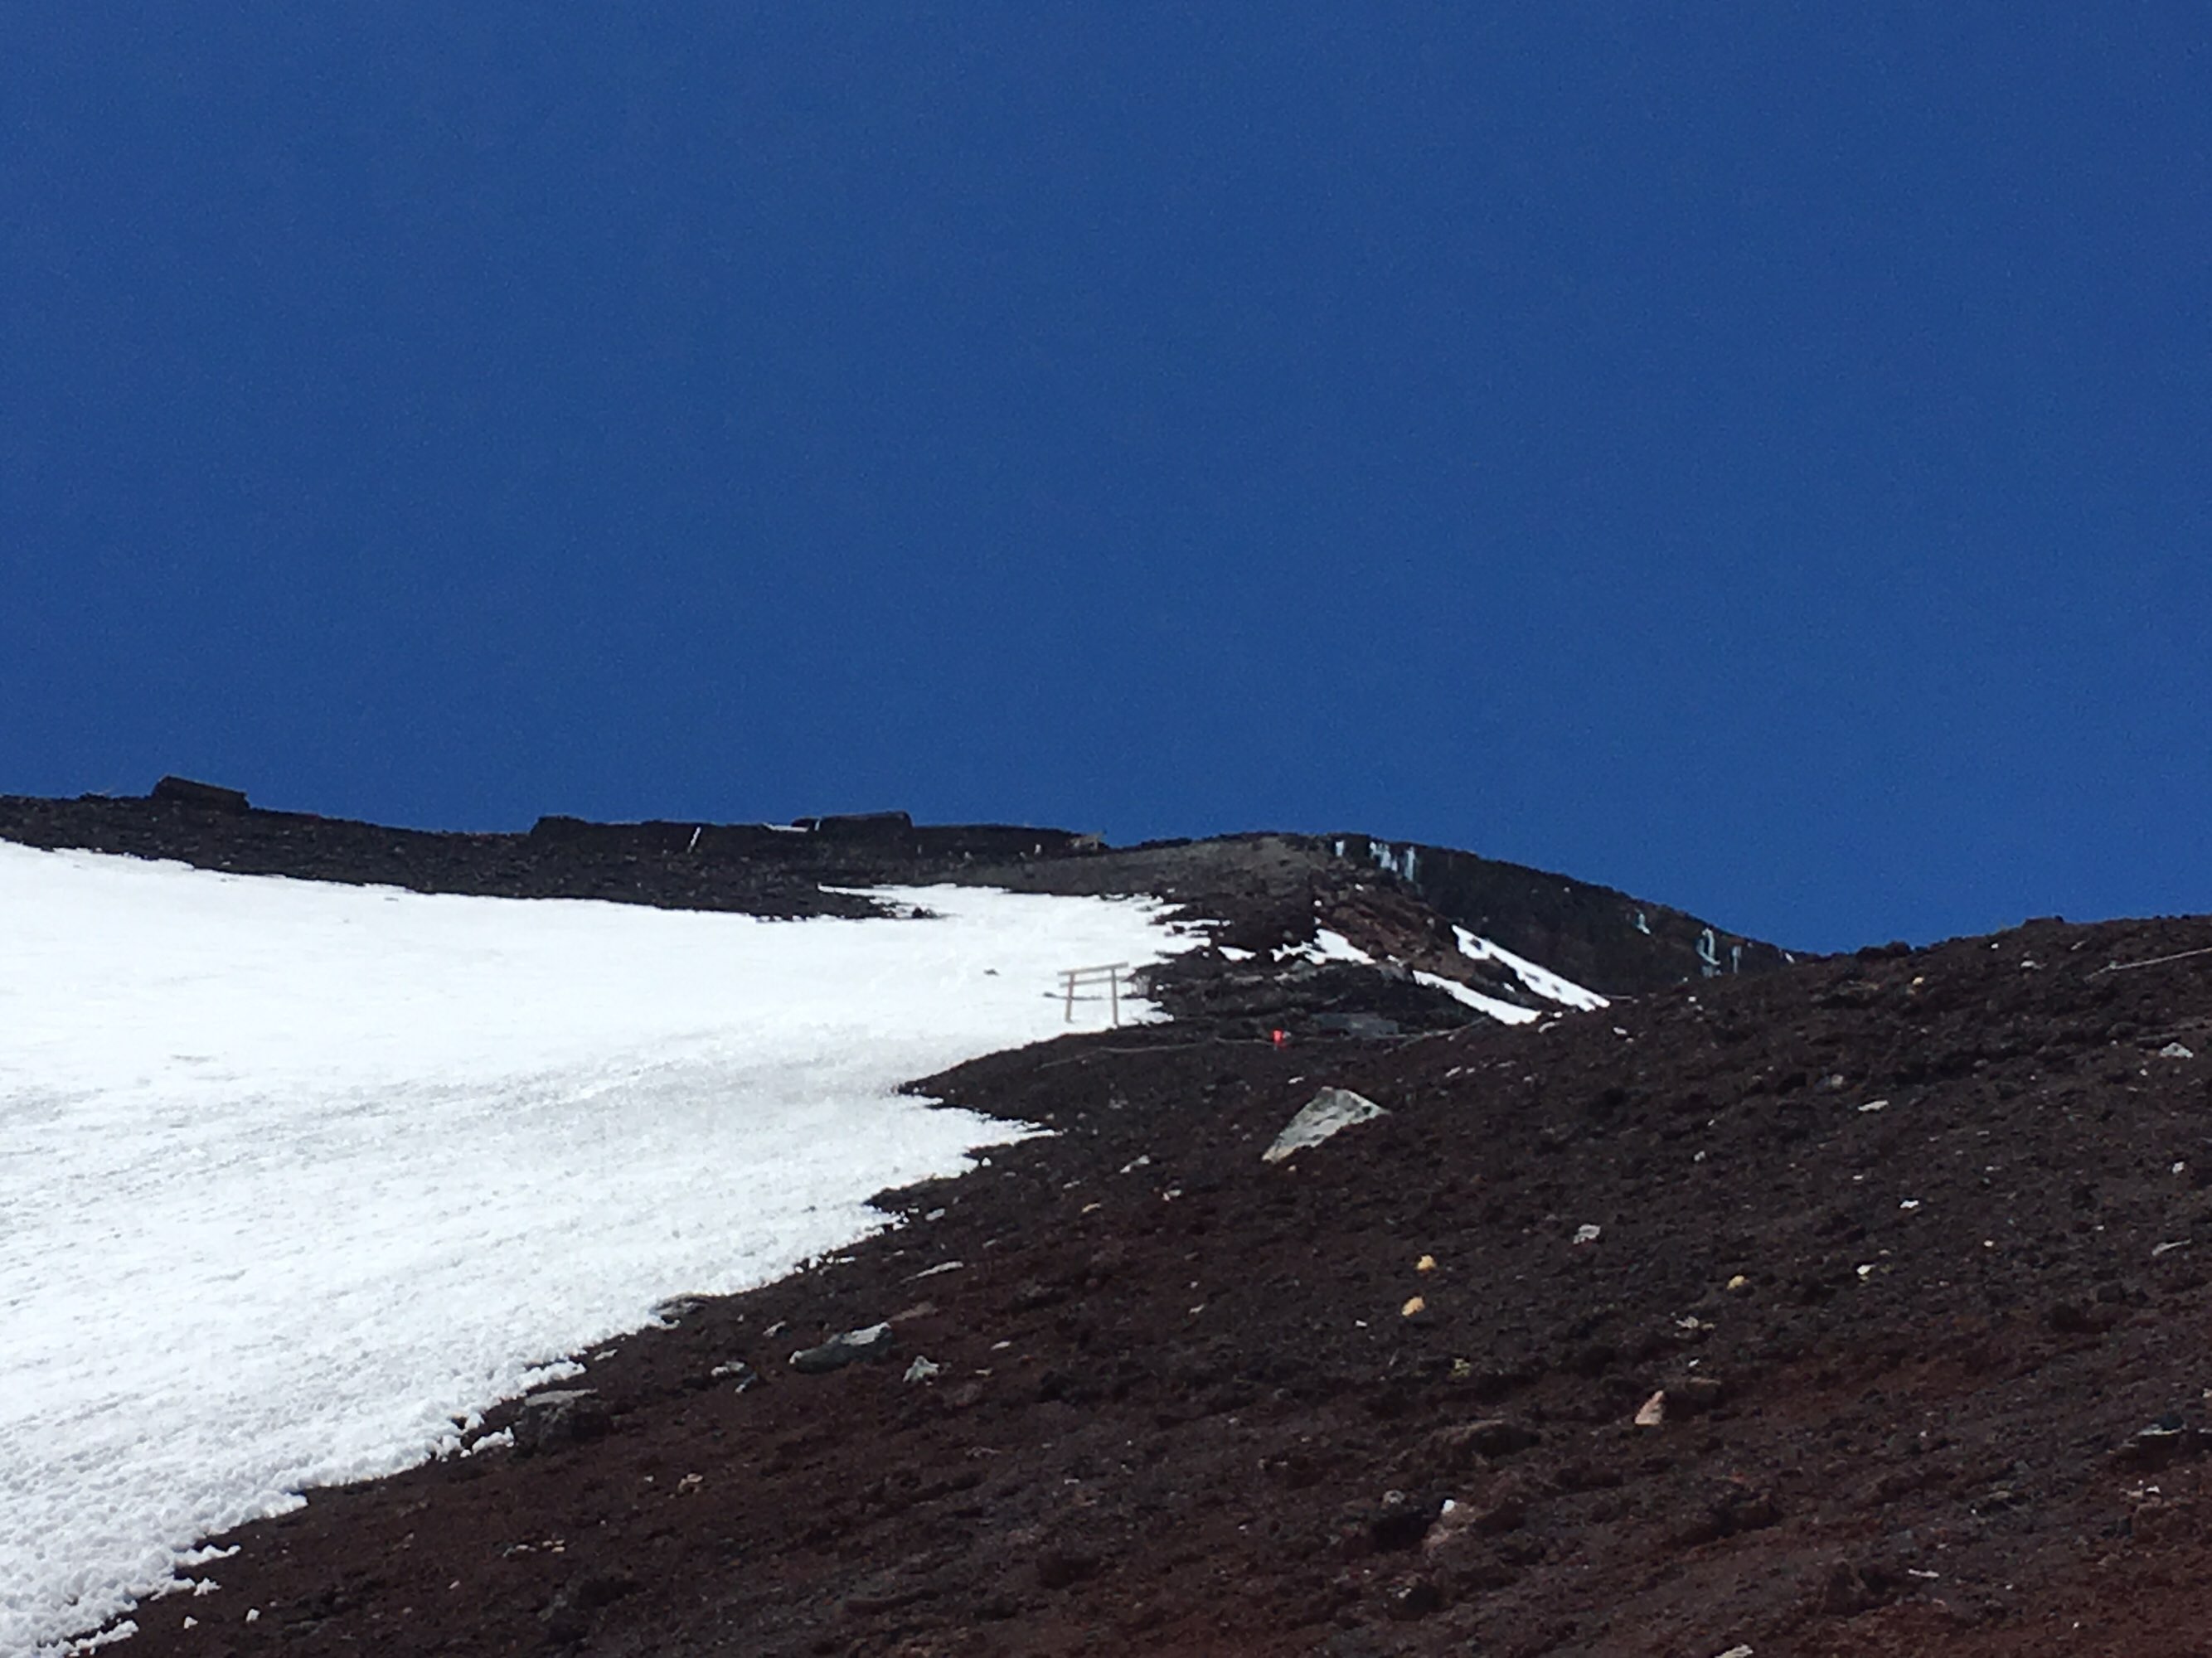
x,y
1873,1105
922,1369
1652,1412
1588,1234
2176,1051
1327,1113
1737,1652
948,1266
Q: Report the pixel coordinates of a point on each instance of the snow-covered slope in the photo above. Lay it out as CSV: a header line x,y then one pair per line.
x,y
294,1177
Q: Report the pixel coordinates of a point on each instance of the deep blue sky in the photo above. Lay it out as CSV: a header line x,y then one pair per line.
x,y
1755,455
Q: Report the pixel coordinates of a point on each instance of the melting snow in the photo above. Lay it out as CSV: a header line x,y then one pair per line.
x,y
1326,946
1508,1012
1331,946
295,1178
1540,981
1335,947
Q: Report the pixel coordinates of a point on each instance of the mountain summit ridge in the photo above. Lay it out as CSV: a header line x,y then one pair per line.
x,y
1592,934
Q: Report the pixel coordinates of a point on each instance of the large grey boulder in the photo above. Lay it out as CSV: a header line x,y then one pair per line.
x,y
1328,1113
838,1352
558,1419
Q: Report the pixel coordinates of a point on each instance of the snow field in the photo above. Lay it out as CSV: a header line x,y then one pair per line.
x,y
294,1178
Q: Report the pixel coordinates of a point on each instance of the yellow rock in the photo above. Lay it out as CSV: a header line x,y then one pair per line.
x,y
1416,1305
1654,1410
1739,1283
1426,1264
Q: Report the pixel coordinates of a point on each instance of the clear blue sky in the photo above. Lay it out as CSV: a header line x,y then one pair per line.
x,y
1756,455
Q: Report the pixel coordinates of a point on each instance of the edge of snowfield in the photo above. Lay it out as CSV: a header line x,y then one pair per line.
x,y
296,1179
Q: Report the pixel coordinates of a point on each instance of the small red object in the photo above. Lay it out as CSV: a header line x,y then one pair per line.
x,y
1279,1037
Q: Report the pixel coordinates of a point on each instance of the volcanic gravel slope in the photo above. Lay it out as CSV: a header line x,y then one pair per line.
x,y
1181,1407
1908,1249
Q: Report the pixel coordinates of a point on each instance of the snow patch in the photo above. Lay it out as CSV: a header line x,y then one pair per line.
x,y
1539,981
1504,1013
297,1177
1326,946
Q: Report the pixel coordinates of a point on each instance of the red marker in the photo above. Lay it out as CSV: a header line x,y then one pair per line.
x,y
1279,1037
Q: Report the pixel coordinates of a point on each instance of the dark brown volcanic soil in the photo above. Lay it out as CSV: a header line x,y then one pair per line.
x,y
1912,1244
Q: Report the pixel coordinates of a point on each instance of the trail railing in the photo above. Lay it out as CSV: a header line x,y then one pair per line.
x,y
1074,981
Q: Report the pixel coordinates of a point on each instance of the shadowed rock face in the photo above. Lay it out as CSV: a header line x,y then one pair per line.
x,y
1590,934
